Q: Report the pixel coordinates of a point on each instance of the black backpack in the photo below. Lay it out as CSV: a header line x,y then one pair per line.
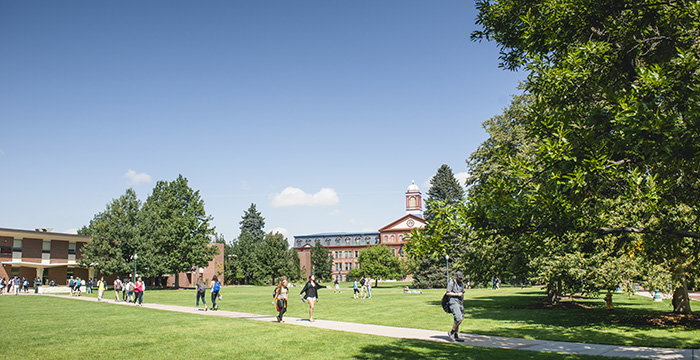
x,y
362,281
446,303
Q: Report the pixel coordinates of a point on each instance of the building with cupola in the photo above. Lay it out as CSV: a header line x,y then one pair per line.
x,y
345,247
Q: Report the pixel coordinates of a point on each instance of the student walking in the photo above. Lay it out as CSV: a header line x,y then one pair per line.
x,y
118,284
337,286
101,288
138,291
310,294
355,290
130,291
455,290
201,291
215,287
280,298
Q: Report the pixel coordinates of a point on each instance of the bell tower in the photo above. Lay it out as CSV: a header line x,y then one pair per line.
x,y
414,204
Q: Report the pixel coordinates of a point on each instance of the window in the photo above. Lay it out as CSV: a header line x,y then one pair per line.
x,y
17,246
392,238
71,248
357,253
46,247
393,252
386,238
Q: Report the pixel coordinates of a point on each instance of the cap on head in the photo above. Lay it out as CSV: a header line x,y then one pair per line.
x,y
459,275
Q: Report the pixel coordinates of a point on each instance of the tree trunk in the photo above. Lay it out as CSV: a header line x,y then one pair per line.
x,y
553,293
681,301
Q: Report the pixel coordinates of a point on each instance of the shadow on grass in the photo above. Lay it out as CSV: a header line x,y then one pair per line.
x,y
591,322
417,350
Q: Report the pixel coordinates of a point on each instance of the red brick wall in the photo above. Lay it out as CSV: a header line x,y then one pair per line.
x,y
59,253
31,250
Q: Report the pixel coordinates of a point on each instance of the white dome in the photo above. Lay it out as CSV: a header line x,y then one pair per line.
x,y
413,187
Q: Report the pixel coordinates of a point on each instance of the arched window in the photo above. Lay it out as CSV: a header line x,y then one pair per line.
x,y
392,238
412,202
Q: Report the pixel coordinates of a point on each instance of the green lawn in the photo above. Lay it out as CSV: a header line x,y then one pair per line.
x,y
53,328
487,312
38,327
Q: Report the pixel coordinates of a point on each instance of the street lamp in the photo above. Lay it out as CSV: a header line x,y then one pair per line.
x,y
447,266
136,257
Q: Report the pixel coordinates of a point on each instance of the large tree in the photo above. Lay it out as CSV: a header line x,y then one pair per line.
x,y
378,262
114,234
176,230
246,249
615,114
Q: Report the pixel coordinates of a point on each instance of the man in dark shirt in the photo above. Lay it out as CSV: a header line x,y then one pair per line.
x,y
455,290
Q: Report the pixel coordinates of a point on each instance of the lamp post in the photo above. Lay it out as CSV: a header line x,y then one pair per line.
x,y
136,257
447,266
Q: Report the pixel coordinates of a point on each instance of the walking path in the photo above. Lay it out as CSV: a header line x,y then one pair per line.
x,y
441,336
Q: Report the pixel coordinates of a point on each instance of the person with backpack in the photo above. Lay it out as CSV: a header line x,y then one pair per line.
x,y
71,285
363,288
130,292
455,294
101,287
281,295
118,284
201,291
215,287
310,294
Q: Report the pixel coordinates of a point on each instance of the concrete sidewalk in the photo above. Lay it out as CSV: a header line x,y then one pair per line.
x,y
441,336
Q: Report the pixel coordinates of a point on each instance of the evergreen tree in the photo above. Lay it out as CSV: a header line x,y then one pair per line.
x,y
443,187
445,190
247,247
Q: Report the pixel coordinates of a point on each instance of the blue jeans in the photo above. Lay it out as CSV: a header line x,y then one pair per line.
x,y
201,295
214,295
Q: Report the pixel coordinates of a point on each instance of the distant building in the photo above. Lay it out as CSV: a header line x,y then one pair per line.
x,y
41,253
54,256
345,247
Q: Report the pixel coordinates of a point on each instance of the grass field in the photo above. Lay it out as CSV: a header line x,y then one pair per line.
x,y
53,328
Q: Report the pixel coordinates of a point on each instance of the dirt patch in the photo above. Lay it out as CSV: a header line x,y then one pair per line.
x,y
662,321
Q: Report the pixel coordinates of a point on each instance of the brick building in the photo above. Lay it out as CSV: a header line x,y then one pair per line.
x,y
345,247
53,256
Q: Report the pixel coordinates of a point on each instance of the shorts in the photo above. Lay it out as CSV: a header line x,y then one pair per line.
x,y
310,298
457,311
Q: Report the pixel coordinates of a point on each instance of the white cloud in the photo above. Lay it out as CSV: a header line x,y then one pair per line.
x,y
135,179
282,231
292,196
462,178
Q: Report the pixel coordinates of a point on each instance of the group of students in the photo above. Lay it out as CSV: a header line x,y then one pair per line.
x,y
215,287
14,285
364,291
127,290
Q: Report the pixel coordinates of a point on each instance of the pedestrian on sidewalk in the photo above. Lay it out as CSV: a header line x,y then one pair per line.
x,y
101,287
215,287
138,291
455,291
280,298
118,284
310,294
201,291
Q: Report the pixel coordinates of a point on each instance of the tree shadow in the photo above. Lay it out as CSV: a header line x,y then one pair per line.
x,y
419,350
584,320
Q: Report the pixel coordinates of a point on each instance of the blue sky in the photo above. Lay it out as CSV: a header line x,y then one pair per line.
x,y
319,112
